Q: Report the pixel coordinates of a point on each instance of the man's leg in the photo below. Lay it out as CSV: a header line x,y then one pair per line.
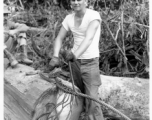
x,y
11,44
23,45
91,78
77,106
92,108
75,66
11,58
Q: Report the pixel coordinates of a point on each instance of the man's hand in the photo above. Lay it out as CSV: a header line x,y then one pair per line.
x,y
68,56
55,62
22,28
12,33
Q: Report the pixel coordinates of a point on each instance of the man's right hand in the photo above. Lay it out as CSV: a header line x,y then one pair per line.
x,y
12,32
22,28
55,62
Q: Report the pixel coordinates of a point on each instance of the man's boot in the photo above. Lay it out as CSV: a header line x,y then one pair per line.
x,y
24,58
11,58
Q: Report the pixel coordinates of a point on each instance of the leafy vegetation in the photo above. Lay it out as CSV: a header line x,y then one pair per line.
x,y
124,42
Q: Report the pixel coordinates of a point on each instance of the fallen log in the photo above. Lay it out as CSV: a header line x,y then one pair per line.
x,y
27,95
33,93
15,106
128,95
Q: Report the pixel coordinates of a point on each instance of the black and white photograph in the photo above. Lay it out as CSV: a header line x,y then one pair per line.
x,y
76,60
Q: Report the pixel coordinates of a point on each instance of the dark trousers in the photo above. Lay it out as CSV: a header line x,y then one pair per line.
x,y
87,77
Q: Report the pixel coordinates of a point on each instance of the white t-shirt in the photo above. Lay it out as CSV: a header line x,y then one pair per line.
x,y
80,32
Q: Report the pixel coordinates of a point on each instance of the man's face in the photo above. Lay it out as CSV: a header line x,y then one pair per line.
x,y
78,5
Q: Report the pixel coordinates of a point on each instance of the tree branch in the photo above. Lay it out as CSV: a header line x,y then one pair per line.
x,y
114,39
117,32
122,30
109,50
21,4
133,23
105,4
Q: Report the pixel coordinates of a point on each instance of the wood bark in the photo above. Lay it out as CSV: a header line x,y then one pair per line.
x,y
128,95
23,93
26,96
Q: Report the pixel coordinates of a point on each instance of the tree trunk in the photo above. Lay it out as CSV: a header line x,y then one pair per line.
x,y
24,93
28,96
128,95
15,106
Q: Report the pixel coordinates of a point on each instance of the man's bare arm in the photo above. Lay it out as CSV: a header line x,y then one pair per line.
x,y
37,29
20,28
58,41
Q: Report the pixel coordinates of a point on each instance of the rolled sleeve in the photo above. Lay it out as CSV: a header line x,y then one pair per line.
x,y
96,16
65,23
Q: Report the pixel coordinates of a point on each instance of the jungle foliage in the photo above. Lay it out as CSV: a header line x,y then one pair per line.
x,y
124,42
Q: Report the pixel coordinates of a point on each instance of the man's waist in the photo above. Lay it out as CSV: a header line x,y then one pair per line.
x,y
87,60
88,54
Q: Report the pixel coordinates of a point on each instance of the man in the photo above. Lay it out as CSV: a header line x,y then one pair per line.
x,y
84,24
11,30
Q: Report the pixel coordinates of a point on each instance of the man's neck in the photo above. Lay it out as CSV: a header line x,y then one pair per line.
x,y
81,13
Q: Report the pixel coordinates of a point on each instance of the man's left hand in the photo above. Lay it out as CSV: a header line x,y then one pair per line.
x,y
68,56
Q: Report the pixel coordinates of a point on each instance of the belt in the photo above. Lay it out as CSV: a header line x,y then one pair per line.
x,y
86,60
